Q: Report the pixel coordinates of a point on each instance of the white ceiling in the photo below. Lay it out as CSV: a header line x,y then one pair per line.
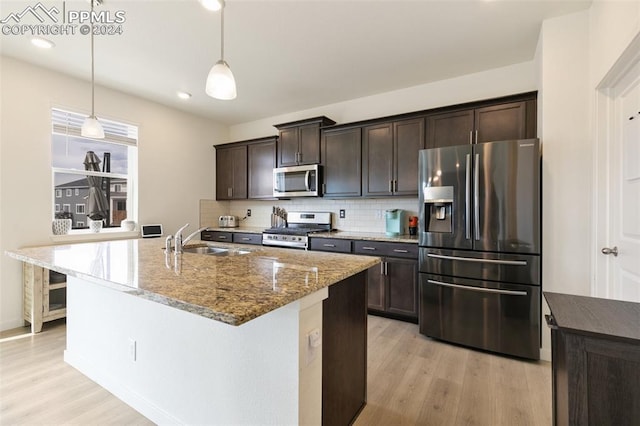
x,y
292,55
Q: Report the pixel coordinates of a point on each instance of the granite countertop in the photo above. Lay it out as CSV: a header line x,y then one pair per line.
x,y
347,235
232,289
368,236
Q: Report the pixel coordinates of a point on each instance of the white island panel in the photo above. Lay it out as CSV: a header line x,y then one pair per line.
x,y
188,369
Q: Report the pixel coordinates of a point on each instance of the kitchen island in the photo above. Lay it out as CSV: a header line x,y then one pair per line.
x,y
249,337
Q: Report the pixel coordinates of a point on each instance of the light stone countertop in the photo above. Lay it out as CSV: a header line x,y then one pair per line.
x,y
232,289
347,235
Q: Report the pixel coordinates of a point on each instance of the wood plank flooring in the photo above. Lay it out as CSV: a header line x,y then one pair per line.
x,y
412,380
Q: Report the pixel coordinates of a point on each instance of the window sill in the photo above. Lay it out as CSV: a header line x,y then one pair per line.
x,y
106,234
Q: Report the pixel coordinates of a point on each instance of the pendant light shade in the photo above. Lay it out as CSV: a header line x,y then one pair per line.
x,y
91,128
220,82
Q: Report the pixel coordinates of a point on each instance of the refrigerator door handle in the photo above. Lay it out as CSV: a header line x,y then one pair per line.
x,y
473,259
479,289
467,201
476,197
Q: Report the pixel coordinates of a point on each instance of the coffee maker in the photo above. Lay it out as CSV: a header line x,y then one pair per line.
x,y
394,222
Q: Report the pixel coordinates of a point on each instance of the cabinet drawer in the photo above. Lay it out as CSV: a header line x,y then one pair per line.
x,y
331,244
376,248
245,238
216,236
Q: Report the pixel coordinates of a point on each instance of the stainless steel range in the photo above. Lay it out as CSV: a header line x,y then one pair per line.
x,y
299,226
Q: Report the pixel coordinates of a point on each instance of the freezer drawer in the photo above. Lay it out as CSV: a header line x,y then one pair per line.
x,y
498,317
513,268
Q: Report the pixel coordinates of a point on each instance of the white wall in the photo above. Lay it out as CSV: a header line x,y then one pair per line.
x,y
175,162
494,83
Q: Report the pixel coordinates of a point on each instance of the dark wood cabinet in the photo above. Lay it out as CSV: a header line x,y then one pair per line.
x,y
222,236
344,351
514,119
299,141
390,157
342,162
231,172
595,351
336,245
246,238
376,288
261,162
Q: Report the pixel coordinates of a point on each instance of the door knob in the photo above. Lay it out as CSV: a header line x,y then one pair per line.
x,y
613,251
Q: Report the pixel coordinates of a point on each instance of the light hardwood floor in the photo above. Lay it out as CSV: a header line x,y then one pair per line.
x,y
412,380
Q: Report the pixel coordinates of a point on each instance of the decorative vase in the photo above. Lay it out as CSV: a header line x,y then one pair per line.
x,y
61,226
95,225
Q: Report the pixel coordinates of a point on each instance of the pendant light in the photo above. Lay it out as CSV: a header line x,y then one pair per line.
x,y
91,128
220,81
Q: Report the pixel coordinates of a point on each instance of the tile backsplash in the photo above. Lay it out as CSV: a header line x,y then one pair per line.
x,y
361,215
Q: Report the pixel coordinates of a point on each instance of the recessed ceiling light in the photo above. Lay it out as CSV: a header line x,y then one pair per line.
x,y
42,43
213,5
183,95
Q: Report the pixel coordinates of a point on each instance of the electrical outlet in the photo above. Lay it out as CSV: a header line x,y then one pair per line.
x,y
342,214
248,212
133,349
378,214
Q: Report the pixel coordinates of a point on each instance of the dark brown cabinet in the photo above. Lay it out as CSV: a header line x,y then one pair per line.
x,y
595,359
261,162
231,172
390,157
493,122
246,238
392,285
342,162
222,236
299,141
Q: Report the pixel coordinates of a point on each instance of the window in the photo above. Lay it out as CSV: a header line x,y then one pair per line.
x,y
66,208
57,208
112,160
58,193
80,224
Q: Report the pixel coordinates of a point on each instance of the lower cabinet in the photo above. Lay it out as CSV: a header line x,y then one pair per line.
x,y
44,295
393,288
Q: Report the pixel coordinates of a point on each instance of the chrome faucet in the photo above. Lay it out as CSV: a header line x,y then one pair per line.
x,y
179,241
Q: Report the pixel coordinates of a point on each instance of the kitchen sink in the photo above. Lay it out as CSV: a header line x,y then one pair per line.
x,y
215,251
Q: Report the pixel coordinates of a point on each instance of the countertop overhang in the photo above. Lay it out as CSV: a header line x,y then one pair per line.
x,y
231,289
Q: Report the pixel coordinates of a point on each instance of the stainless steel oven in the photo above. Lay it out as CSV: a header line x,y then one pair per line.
x,y
297,181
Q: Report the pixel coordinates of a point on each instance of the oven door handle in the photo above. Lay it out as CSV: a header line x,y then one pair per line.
x,y
479,289
473,259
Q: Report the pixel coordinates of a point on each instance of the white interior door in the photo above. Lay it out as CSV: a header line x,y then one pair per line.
x,y
618,236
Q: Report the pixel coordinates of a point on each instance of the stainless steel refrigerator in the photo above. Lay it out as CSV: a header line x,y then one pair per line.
x,y
479,236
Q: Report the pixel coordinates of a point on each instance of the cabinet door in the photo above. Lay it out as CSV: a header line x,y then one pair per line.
x,y
377,160
501,122
402,286
450,129
239,171
341,158
309,144
262,161
376,288
224,173
288,147
409,139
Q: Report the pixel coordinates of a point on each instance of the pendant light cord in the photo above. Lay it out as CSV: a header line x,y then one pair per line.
x,y
222,32
93,96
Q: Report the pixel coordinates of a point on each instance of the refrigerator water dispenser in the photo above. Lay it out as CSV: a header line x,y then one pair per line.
x,y
438,208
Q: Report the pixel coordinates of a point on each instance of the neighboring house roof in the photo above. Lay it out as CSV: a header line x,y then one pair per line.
x,y
80,183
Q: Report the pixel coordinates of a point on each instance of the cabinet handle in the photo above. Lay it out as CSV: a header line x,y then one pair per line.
x,y
368,248
229,192
222,237
395,185
476,136
470,137
329,245
245,238
390,186
386,270
400,251
381,268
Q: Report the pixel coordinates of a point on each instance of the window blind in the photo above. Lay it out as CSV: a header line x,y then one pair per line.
x,y
70,123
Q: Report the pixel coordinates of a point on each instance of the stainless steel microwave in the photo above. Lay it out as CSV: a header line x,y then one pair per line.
x,y
297,181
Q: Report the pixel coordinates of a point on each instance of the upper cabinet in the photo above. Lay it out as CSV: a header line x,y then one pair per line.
x,y
262,160
245,169
299,141
501,121
390,157
231,172
342,162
